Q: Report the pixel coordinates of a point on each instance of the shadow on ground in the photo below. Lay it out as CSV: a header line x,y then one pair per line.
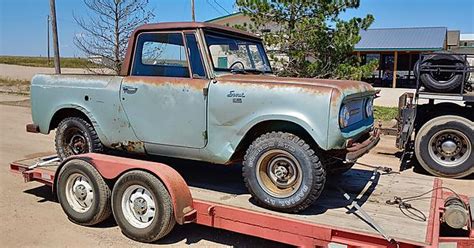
x,y
409,161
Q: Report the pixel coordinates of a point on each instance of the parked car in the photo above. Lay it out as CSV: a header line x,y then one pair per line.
x,y
206,92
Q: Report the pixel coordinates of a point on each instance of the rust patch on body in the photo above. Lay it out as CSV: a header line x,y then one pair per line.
x,y
193,83
316,86
130,146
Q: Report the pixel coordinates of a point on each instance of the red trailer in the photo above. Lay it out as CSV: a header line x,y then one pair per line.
x,y
333,219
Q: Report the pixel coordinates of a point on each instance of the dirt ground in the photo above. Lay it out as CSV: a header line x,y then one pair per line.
x,y
31,216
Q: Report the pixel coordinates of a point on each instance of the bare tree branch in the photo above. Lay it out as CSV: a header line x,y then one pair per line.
x,y
107,27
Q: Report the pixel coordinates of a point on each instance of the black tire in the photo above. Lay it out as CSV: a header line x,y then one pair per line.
x,y
75,135
99,208
442,81
283,150
162,220
435,141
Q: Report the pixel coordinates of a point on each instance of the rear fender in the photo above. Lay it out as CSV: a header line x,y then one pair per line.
x,y
112,167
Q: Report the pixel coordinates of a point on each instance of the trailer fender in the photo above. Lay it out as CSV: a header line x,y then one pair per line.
x,y
112,167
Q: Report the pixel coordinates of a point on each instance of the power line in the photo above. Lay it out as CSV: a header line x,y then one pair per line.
x,y
214,7
221,7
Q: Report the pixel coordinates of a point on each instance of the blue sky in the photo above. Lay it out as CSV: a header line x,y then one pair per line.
x,y
23,22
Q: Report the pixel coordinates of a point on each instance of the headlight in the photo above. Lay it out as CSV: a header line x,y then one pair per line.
x,y
344,116
369,107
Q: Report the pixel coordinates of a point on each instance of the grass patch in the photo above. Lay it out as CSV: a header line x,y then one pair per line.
x,y
13,82
43,62
14,86
385,113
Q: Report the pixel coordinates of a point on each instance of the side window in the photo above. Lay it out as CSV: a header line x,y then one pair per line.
x,y
197,67
160,54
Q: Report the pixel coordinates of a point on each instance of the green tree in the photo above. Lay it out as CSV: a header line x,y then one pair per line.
x,y
310,34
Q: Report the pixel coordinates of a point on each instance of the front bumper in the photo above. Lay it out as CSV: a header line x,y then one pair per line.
x,y
358,149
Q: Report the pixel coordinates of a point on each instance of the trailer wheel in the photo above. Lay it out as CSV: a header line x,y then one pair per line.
x,y
75,135
282,172
142,206
83,194
443,146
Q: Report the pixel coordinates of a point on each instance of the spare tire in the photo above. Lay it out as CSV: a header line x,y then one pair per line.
x,y
440,81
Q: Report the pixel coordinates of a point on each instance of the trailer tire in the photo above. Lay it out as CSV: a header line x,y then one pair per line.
x,y
142,206
282,172
83,194
443,146
75,135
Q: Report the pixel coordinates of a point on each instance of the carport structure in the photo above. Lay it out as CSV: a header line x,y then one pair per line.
x,y
397,50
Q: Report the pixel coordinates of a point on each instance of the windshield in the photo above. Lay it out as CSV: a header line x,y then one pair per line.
x,y
234,54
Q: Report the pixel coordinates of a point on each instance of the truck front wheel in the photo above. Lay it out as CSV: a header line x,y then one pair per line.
x,y
443,146
282,172
75,135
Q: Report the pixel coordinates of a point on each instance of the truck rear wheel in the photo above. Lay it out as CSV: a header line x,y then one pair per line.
x,y
282,172
142,206
75,135
83,194
443,146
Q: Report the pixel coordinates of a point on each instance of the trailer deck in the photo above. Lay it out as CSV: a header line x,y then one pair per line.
x,y
221,201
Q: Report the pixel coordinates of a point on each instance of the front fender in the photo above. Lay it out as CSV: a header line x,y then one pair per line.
x,y
317,132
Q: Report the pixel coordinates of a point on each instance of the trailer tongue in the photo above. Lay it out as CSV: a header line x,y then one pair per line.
x,y
333,220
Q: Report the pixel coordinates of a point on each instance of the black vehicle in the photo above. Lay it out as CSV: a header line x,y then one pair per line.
x,y
440,114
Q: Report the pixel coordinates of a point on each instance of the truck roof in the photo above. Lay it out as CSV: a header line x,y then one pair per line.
x,y
191,25
163,26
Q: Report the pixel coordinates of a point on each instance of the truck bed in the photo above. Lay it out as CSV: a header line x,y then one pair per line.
x,y
224,185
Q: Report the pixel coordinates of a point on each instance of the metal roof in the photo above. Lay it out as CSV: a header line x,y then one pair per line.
x,y
225,16
467,36
402,39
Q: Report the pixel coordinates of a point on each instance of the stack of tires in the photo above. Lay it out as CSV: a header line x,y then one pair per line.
x,y
432,71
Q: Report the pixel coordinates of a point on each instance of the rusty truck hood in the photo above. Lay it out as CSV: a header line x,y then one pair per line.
x,y
345,87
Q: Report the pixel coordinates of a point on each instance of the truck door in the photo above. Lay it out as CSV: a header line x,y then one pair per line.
x,y
164,95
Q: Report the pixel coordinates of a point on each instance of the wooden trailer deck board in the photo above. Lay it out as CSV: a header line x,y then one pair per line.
x,y
331,209
224,185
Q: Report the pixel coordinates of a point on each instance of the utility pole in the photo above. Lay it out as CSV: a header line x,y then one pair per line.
x,y
47,28
54,26
192,11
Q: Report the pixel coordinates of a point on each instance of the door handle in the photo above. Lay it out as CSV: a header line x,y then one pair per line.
x,y
129,89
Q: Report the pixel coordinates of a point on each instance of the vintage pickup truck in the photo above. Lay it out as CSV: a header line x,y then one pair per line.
x,y
206,92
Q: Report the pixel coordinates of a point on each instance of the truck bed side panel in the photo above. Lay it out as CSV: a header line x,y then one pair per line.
x,y
96,96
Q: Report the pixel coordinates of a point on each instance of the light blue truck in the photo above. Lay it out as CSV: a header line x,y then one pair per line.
x,y
206,92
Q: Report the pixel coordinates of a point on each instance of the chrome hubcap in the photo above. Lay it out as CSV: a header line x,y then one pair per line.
x,y
79,192
138,206
449,148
